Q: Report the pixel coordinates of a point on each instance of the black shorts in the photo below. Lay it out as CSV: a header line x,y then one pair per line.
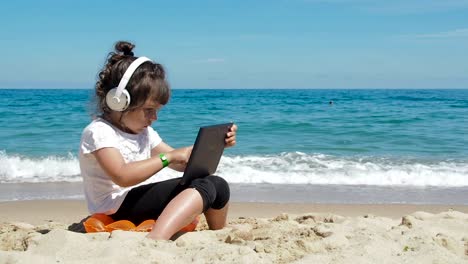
x,y
148,201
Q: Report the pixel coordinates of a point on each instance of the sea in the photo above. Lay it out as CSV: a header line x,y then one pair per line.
x,y
293,145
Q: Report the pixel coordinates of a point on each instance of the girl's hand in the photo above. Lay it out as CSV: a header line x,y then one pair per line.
x,y
231,136
179,156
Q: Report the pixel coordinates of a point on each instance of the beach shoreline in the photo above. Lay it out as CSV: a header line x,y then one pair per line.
x,y
271,193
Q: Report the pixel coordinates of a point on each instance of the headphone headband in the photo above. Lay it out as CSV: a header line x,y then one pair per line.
x,y
128,74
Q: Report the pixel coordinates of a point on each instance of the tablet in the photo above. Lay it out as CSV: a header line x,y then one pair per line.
x,y
206,152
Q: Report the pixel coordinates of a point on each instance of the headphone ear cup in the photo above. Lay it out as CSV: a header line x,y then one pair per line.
x,y
120,103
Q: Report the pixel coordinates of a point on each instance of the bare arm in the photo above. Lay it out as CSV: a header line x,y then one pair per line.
x,y
126,174
129,174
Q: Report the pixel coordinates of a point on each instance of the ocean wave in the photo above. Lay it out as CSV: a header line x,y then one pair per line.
x,y
15,168
283,168
301,168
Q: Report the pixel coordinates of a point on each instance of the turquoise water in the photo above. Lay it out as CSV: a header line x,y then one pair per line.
x,y
370,137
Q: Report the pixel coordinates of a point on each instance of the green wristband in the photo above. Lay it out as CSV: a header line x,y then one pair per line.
x,y
164,160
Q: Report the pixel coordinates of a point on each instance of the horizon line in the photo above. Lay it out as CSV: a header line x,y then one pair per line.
x,y
258,88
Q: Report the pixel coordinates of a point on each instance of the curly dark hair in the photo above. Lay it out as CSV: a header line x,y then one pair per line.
x,y
148,82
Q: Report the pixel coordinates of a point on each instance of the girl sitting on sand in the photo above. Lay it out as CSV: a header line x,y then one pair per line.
x,y
120,152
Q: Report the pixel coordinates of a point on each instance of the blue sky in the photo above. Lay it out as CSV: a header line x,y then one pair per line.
x,y
241,44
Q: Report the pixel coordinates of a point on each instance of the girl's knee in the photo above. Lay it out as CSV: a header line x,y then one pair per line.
x,y
207,191
223,192
214,190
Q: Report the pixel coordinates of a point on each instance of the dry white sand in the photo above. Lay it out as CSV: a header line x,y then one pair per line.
x,y
351,234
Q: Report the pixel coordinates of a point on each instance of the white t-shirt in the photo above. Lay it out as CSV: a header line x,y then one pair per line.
x,y
102,194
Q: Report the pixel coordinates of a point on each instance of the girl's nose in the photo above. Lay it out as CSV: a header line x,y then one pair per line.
x,y
151,115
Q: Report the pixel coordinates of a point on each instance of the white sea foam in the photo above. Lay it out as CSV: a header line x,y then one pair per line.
x,y
47,169
284,168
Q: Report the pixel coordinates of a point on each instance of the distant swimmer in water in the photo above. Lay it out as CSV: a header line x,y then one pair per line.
x,y
330,103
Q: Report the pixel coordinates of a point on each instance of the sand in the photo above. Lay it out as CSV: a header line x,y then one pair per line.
x,y
37,232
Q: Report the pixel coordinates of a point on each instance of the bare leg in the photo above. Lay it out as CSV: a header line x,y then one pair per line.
x,y
217,219
177,214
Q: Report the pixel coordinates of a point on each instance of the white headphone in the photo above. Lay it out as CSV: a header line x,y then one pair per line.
x,y
118,98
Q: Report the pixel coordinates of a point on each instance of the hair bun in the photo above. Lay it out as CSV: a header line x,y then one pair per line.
x,y
125,47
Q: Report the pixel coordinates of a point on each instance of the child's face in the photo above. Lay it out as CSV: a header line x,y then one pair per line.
x,y
139,119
